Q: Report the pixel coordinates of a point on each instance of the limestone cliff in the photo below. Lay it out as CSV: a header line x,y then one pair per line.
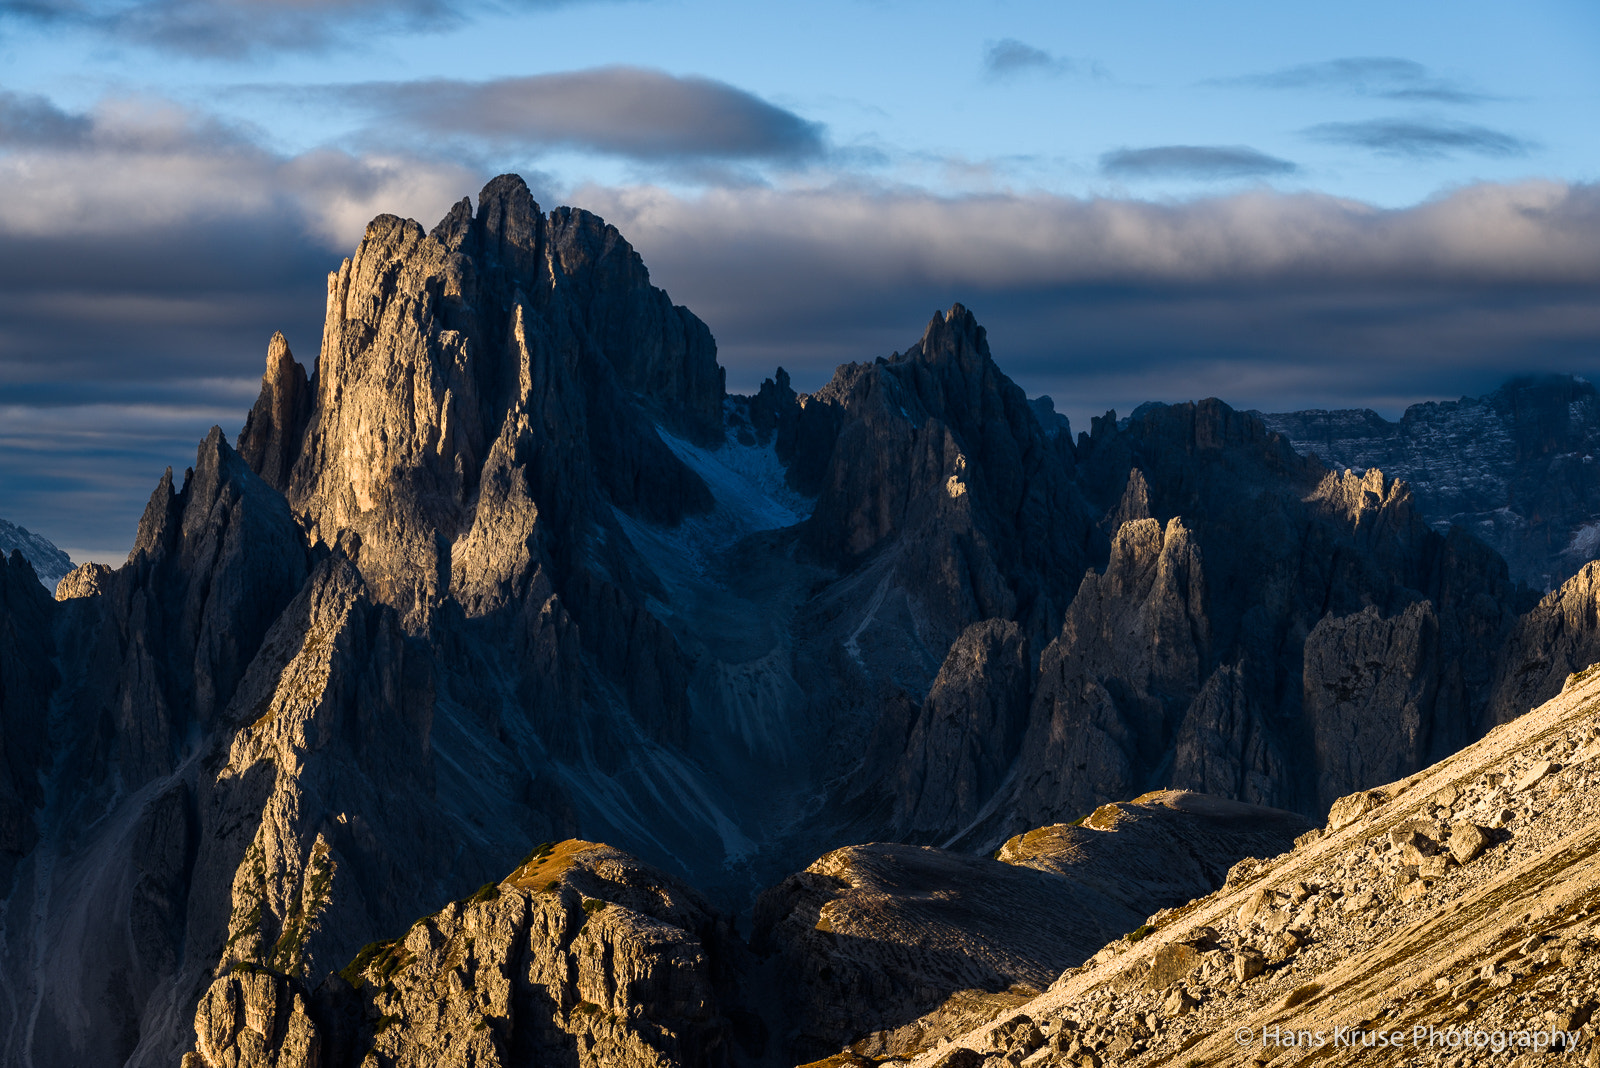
x,y
966,733
1558,636
274,429
1209,654
939,455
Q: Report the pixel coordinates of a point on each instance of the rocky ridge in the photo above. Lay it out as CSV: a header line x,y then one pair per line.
x,y
1252,611
1448,908
880,945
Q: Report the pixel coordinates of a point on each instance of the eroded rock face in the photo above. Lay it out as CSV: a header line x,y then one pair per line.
x,y
1203,647
273,431
151,656
254,1019
1370,693
939,454
942,504
582,956
1559,636
506,329
212,567
967,732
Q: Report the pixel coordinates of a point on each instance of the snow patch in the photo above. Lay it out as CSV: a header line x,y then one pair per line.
x,y
747,484
1585,543
49,562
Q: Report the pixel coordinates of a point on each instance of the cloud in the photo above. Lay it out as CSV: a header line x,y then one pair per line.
x,y
236,28
1009,57
1268,300
635,113
147,253
178,171
153,295
1420,138
1193,161
27,119
1386,77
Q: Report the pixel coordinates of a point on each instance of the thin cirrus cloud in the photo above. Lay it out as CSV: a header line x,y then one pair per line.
x,y
1386,77
231,29
631,112
1198,162
1421,139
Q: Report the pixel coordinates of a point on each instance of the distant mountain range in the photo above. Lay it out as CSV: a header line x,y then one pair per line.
x,y
49,563
509,617
1519,467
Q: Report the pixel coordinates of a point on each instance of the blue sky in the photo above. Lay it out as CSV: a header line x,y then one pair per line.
x,y
1284,205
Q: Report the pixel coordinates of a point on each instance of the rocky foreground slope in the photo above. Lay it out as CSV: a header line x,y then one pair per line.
x,y
1449,918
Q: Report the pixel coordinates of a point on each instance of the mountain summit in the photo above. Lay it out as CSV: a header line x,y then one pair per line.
x,y
507,566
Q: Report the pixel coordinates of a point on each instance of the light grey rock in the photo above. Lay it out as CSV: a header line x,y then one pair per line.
x,y
275,428
254,1019
1558,637
1247,964
1467,842
583,956
1346,810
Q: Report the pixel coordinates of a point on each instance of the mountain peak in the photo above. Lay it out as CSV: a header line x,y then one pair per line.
x,y
50,565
